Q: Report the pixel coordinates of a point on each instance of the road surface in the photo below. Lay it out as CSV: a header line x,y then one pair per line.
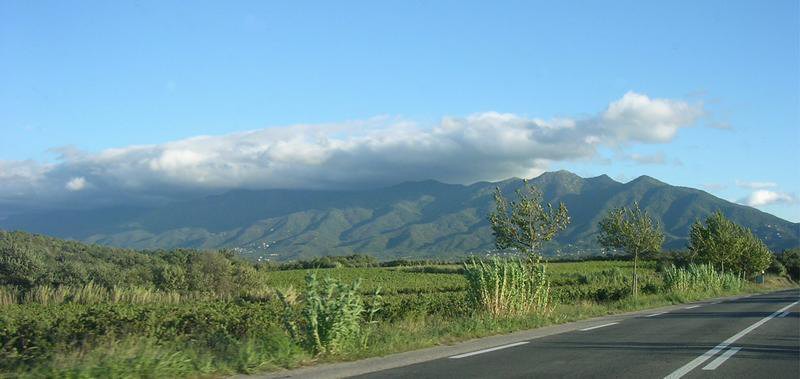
x,y
748,337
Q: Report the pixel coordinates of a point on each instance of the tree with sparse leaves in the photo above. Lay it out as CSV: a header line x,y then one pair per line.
x,y
525,224
633,231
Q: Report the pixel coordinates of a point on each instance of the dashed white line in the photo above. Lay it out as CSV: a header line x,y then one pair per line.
x,y
722,358
708,354
691,307
598,326
488,350
656,314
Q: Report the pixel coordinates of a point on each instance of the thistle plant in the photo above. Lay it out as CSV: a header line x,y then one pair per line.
x,y
329,317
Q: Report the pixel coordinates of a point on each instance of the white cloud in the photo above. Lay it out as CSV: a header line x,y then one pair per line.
x,y
755,185
76,184
638,118
766,197
378,151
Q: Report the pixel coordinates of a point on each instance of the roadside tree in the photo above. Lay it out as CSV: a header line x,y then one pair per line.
x,y
633,231
525,224
728,246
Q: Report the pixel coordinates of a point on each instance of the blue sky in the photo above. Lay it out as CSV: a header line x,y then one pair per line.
x,y
371,80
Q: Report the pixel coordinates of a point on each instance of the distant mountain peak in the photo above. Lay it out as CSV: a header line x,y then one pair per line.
x,y
563,174
645,179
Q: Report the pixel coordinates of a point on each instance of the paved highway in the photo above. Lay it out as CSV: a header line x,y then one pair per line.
x,y
752,337
746,337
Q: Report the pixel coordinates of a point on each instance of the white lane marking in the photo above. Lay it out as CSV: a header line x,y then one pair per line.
x,y
722,358
716,302
708,354
782,315
488,350
655,314
691,307
598,326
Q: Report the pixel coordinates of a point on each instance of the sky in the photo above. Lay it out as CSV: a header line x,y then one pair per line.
x,y
107,103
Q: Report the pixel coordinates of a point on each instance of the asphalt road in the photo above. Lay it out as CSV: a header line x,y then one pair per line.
x,y
751,337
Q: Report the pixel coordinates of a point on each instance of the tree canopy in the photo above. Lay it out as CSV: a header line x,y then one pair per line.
x,y
526,223
728,246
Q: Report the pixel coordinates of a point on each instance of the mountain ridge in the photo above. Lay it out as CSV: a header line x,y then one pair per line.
x,y
424,218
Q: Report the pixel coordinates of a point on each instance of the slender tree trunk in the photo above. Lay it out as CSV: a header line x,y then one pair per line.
x,y
635,276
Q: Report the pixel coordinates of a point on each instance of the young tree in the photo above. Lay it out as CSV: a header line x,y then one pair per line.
x,y
525,224
633,231
755,257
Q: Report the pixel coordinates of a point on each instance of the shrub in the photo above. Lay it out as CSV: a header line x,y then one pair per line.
x,y
508,287
776,267
19,265
791,260
30,334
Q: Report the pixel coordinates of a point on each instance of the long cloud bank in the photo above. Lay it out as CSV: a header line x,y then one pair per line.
x,y
380,151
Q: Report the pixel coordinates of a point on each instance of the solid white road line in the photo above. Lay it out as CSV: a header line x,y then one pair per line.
x,y
655,314
708,354
488,350
722,358
716,302
691,307
598,326
782,315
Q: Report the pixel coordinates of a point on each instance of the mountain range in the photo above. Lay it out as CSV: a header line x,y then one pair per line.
x,y
426,219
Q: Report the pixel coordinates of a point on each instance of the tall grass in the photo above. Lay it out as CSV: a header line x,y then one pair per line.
x,y
8,295
508,287
699,278
92,293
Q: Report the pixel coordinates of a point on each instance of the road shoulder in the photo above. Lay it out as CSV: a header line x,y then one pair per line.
x,y
364,366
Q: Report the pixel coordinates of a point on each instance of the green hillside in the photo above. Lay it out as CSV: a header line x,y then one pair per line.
x,y
417,219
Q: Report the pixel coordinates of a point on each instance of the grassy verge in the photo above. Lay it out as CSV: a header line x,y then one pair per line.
x,y
427,331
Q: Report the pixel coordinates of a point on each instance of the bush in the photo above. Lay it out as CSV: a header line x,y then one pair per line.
x,y
791,260
508,287
19,265
33,333
777,268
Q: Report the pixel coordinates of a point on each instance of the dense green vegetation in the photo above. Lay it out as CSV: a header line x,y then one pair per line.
x,y
411,220
70,309
725,245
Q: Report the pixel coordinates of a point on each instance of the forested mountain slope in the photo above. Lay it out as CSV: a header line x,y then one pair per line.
x,y
415,219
